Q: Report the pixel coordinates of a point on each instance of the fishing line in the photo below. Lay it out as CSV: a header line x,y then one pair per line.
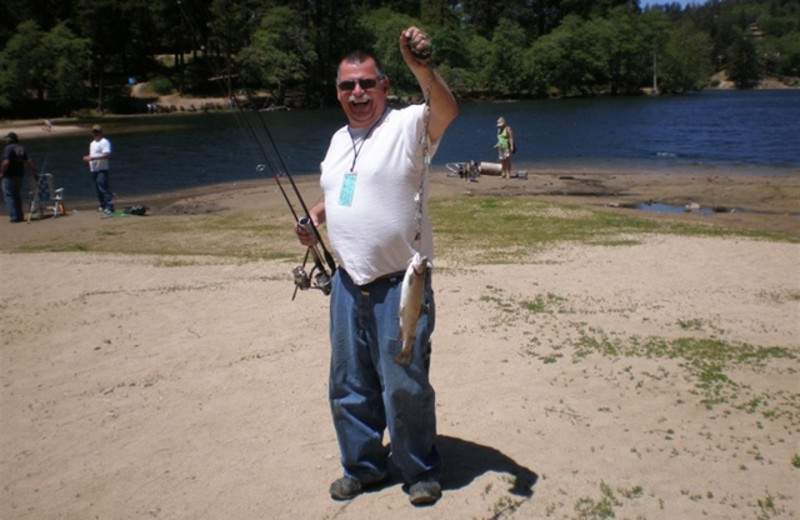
x,y
424,55
277,166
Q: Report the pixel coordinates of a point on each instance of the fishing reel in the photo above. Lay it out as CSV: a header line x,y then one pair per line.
x,y
318,277
304,280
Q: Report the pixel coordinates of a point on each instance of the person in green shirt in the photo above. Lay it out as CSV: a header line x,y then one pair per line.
x,y
505,146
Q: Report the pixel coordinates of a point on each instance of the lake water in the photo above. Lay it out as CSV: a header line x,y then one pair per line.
x,y
744,132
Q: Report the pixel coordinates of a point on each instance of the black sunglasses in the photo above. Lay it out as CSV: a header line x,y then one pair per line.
x,y
364,83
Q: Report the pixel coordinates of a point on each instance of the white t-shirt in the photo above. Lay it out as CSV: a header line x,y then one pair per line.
x,y
98,148
371,211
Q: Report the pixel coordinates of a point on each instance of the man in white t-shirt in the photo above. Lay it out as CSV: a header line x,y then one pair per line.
x,y
374,204
99,152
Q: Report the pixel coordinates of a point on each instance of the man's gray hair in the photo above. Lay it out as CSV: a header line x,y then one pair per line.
x,y
360,57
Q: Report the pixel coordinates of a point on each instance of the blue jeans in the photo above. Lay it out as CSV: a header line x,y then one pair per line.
x,y
103,188
12,193
369,392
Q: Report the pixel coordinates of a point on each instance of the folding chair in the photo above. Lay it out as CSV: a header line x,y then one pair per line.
x,y
45,198
466,170
456,169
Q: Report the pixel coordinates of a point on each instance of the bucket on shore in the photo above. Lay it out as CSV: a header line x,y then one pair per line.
x,y
522,174
490,168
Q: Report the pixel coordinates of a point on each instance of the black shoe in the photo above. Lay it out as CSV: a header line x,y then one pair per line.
x,y
346,487
424,492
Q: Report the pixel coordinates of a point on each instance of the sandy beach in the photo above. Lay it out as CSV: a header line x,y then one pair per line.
x,y
653,377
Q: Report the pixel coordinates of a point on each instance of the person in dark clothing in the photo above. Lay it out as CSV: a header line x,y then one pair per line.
x,y
12,173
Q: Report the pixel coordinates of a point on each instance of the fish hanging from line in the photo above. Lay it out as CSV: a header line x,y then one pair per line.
x,y
411,295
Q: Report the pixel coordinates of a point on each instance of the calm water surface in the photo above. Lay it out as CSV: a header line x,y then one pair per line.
x,y
749,132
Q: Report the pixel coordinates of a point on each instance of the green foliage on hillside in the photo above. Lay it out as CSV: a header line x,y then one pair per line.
x,y
72,55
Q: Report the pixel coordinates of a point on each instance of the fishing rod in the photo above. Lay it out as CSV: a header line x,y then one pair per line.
x,y
320,275
304,222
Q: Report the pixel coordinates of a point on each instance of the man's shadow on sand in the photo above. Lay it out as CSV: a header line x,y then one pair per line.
x,y
464,461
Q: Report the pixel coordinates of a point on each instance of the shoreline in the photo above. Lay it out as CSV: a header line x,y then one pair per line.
x,y
598,172
768,205
28,128
180,165
183,105
193,105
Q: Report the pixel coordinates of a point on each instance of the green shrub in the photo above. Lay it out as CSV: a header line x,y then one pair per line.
x,y
161,85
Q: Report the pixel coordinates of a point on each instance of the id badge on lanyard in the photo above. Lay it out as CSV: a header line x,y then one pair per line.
x,y
348,188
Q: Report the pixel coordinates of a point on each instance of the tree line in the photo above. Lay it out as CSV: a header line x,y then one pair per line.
x,y
70,57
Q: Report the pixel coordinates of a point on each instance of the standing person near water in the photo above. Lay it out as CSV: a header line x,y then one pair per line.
x,y
99,152
375,206
12,173
505,146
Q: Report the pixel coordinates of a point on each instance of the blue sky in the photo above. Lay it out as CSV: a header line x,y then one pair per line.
x,y
684,3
